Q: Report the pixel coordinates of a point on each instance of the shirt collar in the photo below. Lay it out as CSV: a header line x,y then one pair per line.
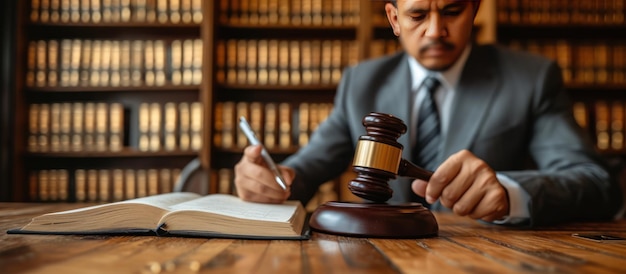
x,y
449,78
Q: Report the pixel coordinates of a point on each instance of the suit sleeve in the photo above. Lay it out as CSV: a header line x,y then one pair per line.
x,y
572,182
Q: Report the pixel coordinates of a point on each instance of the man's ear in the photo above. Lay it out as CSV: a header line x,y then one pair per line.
x,y
392,16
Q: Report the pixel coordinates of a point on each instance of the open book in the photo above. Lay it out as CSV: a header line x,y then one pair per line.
x,y
182,214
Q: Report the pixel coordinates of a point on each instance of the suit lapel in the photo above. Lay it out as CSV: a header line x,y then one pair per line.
x,y
474,97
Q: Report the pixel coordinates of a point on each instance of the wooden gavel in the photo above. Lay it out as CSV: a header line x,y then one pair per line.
x,y
378,158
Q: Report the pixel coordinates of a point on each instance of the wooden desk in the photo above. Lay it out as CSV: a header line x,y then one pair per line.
x,y
463,245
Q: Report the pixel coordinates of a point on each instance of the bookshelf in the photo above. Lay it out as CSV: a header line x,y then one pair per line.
x,y
580,37
278,62
110,97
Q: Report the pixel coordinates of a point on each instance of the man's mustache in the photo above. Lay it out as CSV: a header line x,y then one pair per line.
x,y
445,45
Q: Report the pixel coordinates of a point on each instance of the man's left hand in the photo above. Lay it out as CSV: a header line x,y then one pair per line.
x,y
468,186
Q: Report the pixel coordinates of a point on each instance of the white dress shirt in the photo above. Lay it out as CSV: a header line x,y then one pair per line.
x,y
519,199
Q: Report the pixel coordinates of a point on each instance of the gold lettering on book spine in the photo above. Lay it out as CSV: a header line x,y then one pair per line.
x,y
377,155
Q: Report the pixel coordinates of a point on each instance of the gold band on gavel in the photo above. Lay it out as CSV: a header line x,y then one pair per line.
x,y
377,155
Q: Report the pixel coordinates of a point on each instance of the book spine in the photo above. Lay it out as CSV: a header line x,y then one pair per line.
x,y
617,125
44,128
602,114
231,61
197,62
80,185
89,127
101,126
153,182
104,186
53,63
241,110
225,181
251,63
41,63
185,11
165,181
283,62
154,132
303,124
33,127
44,185
170,126
196,126
115,64
284,125
142,183
295,75
174,11
55,127
196,10
270,131
66,126
77,126
184,131
130,184
92,185
159,62
228,124
187,62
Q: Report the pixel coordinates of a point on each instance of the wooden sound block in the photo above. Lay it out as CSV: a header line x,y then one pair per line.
x,y
374,220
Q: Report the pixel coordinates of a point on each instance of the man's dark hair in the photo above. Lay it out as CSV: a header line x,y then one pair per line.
x,y
395,2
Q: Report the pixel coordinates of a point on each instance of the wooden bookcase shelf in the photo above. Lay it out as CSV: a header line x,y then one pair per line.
x,y
582,37
88,89
125,153
314,52
96,100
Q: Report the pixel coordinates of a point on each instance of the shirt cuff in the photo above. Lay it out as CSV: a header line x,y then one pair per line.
x,y
519,201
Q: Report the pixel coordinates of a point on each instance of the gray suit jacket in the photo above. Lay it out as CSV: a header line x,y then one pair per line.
x,y
510,108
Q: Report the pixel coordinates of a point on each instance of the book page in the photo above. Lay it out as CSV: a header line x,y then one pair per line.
x,y
229,205
132,215
163,201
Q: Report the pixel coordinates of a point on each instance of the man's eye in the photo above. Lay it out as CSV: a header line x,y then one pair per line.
x,y
451,12
418,17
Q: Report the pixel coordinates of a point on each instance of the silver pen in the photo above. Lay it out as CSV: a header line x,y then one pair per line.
x,y
247,130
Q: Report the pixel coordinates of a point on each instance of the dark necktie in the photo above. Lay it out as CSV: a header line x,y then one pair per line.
x,y
428,128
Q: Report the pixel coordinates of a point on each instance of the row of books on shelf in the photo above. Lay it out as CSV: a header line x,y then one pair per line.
x,y
100,126
588,62
290,12
170,126
99,185
380,47
116,11
76,127
113,185
279,125
561,11
606,120
113,63
284,62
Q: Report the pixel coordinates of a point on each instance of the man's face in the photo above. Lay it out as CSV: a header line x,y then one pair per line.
x,y
435,32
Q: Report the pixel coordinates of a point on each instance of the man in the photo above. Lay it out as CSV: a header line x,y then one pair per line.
x,y
496,110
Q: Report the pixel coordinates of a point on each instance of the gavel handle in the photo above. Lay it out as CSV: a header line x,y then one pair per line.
x,y
408,169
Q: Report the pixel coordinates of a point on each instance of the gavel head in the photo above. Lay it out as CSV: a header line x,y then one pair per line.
x,y
377,157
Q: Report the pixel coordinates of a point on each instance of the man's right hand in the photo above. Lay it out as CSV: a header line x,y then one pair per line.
x,y
255,182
